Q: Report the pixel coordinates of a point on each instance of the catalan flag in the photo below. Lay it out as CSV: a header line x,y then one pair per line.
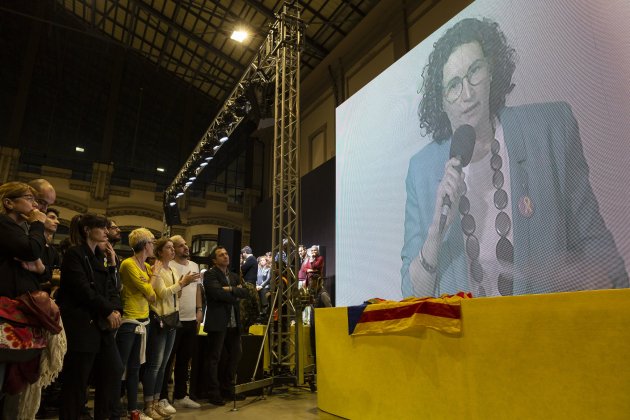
x,y
379,316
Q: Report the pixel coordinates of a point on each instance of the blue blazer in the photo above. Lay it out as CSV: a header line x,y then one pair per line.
x,y
547,165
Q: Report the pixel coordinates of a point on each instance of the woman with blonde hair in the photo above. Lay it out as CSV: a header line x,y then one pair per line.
x,y
137,293
20,250
21,246
164,315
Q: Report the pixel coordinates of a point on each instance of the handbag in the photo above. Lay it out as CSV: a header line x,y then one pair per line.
x,y
171,321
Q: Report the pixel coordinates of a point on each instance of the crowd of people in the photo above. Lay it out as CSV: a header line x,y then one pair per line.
x,y
115,323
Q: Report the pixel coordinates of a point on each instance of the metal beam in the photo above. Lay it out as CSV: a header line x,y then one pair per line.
x,y
186,32
353,7
167,37
269,14
323,18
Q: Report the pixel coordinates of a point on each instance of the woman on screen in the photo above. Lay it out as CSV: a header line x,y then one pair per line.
x,y
522,215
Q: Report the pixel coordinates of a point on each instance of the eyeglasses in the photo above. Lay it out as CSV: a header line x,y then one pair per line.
x,y
27,197
477,73
43,204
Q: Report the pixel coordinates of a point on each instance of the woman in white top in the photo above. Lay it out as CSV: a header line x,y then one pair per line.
x,y
161,336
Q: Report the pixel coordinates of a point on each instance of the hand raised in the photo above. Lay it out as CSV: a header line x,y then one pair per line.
x,y
189,278
452,185
35,216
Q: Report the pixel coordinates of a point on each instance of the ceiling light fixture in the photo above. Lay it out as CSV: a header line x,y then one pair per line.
x,y
239,35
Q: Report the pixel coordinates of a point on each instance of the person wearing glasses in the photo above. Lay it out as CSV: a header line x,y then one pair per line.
x,y
45,194
20,260
20,252
523,217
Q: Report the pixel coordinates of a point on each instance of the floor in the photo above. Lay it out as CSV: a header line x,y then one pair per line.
x,y
288,404
284,404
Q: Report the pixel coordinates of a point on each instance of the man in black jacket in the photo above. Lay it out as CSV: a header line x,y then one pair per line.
x,y
223,325
249,267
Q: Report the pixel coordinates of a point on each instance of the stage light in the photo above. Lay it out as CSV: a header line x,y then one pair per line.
x,y
192,178
179,194
79,149
208,158
228,118
160,169
222,136
172,203
215,148
241,106
203,164
188,184
239,35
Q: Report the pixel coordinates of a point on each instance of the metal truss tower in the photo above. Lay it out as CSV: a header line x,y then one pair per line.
x,y
284,340
278,62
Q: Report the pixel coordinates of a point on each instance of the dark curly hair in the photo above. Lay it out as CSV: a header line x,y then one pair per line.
x,y
501,59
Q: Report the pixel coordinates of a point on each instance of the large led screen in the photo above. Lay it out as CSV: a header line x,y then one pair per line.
x,y
492,158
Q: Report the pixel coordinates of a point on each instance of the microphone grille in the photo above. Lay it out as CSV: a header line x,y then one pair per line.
x,y
463,143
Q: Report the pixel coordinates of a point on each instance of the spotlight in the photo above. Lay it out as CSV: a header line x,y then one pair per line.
x,y
188,184
222,136
208,158
203,164
172,203
239,35
192,178
228,117
179,194
215,148
241,106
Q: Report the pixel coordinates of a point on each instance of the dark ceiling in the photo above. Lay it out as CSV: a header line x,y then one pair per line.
x,y
135,82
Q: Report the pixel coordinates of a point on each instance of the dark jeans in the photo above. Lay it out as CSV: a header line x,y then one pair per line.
x,y
184,349
108,370
224,354
128,343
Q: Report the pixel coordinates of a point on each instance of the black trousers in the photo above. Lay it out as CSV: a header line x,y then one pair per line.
x,y
224,354
184,349
108,370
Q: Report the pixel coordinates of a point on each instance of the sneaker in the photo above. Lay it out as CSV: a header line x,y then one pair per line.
x,y
186,402
166,407
151,413
139,415
159,413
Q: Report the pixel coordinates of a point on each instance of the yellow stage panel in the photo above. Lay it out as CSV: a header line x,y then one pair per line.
x,y
555,356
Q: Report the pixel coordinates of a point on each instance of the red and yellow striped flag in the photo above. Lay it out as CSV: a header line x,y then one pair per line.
x,y
407,316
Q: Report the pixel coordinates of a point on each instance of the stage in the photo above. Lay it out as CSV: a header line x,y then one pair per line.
x,y
555,356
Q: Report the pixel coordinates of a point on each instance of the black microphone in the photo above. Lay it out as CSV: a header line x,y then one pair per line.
x,y
462,147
